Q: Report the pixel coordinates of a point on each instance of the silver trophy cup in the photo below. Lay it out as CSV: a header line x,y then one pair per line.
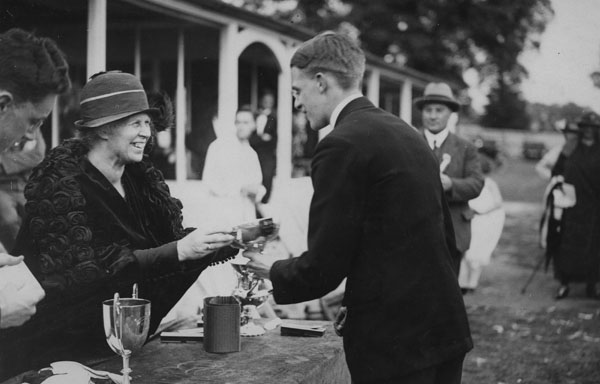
x,y
126,325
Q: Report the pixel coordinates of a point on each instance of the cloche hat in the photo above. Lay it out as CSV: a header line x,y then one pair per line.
x,y
565,125
589,119
437,93
111,96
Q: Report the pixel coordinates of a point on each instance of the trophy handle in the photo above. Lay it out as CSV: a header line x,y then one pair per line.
x,y
118,320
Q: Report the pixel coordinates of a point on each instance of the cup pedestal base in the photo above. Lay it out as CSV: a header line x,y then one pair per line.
x,y
250,330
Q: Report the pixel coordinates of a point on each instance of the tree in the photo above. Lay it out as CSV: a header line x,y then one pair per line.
x,y
440,37
548,117
506,109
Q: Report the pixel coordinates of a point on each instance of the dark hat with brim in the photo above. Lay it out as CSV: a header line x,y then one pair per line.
x,y
112,96
566,126
589,119
437,93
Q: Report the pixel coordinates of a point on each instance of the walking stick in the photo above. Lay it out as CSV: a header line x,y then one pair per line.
x,y
535,270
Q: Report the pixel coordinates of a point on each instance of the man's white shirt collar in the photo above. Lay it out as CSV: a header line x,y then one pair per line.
x,y
338,109
437,138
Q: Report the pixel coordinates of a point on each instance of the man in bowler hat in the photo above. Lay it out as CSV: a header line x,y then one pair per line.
x,y
377,218
460,168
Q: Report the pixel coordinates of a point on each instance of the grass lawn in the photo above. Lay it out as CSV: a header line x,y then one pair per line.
x,y
540,347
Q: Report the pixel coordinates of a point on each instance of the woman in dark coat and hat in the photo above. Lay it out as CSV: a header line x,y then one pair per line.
x,y
578,257
99,218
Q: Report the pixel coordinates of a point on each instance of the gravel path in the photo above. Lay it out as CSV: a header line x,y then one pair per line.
x,y
529,338
512,264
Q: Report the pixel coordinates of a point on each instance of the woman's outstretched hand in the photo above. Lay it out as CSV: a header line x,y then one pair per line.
x,y
200,243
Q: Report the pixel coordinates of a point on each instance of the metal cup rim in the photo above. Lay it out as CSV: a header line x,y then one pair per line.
x,y
127,302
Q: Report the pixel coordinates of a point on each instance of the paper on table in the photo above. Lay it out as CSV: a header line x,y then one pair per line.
x,y
21,278
182,335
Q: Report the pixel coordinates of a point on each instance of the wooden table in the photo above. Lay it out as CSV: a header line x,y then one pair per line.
x,y
270,358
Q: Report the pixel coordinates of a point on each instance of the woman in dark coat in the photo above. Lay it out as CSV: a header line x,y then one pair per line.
x,y
578,256
551,224
99,218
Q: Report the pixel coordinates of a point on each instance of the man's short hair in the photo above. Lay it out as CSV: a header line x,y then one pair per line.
x,y
31,67
246,108
334,53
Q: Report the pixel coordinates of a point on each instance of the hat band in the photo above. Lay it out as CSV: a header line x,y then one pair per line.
x,y
109,95
113,104
434,98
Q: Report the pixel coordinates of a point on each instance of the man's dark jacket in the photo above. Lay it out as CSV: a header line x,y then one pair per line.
x,y
464,169
378,217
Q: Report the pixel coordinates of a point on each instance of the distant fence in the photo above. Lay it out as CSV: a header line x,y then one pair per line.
x,y
509,141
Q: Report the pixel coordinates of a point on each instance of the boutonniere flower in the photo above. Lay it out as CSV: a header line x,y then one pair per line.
x,y
446,158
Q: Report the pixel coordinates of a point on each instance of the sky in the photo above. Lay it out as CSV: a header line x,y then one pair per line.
x,y
570,51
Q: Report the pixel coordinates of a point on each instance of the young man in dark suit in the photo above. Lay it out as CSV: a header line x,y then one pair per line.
x,y
33,72
377,217
460,168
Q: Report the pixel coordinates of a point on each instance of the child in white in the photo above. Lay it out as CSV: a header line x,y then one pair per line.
x,y
486,228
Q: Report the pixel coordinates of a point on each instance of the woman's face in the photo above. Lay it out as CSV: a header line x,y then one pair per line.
x,y
127,140
588,134
244,124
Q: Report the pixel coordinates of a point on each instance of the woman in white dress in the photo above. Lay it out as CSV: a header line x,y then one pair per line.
x,y
233,177
232,172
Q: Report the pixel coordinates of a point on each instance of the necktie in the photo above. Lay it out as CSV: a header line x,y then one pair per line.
x,y
437,151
